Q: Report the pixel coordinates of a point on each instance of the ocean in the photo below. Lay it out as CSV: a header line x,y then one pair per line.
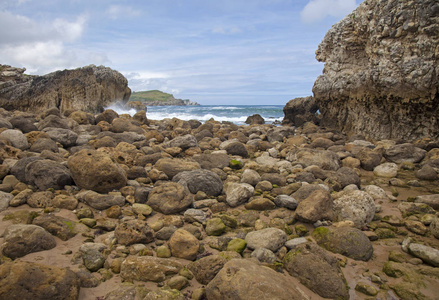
x,y
236,114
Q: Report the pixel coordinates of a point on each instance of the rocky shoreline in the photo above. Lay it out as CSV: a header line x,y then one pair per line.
x,y
111,206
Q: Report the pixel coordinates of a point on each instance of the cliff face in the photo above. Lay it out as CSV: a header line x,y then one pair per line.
x,y
89,89
381,74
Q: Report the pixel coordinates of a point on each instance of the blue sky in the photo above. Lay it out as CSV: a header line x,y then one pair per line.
x,y
212,52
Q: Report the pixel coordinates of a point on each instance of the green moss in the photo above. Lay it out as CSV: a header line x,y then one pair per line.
x,y
237,245
320,233
70,225
301,230
235,164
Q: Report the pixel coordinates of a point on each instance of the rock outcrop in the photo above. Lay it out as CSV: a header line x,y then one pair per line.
x,y
381,70
298,111
89,89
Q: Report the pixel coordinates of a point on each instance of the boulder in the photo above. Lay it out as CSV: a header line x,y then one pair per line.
x,y
268,238
318,270
298,111
170,198
317,206
28,280
172,167
5,199
16,138
241,279
427,172
277,134
184,142
325,159
100,201
236,148
133,232
431,200
255,119
404,153
286,201
206,268
44,144
305,190
65,137
251,177
211,161
184,245
94,170
200,180
149,268
46,174
58,226
19,169
355,206
88,88
369,159
20,240
370,88
348,241
428,254
238,193
388,170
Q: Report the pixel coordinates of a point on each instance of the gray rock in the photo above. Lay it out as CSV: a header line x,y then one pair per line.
x,y
431,200
404,153
184,142
286,202
5,199
93,260
20,240
44,144
241,279
264,255
355,206
172,167
200,180
269,238
238,193
386,170
16,138
100,201
428,254
427,172
46,174
277,134
305,190
58,226
325,159
19,169
195,215
211,161
236,148
250,176
65,137
293,243
206,268
434,227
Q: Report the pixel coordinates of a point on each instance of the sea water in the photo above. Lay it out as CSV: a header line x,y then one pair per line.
x,y
236,114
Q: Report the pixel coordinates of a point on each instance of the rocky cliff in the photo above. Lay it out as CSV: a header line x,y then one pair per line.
x,y
89,89
381,74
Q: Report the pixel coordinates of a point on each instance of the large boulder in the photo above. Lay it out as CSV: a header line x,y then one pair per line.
x,y
170,198
94,170
355,206
405,153
46,174
100,201
326,160
238,193
184,245
16,138
20,240
172,167
200,180
373,82
317,206
28,280
268,238
133,232
58,226
298,111
318,270
89,89
206,268
241,279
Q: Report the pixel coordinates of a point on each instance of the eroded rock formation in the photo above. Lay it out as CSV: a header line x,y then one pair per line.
x,y
88,89
381,70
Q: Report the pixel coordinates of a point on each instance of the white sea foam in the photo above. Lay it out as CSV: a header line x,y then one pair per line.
x,y
122,110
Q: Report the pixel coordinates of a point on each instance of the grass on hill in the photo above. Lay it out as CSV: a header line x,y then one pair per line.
x,y
153,95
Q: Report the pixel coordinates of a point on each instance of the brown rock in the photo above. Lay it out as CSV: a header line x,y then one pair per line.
x,y
184,245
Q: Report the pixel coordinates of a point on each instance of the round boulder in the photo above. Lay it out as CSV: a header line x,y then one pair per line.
x,y
46,174
170,198
355,206
200,180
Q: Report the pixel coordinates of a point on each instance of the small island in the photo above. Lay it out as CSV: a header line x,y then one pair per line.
x,y
159,98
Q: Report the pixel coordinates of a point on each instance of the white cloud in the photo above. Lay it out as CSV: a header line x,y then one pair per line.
x,y
120,12
317,10
226,30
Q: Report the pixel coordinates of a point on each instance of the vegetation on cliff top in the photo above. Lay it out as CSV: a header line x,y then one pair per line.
x,y
153,95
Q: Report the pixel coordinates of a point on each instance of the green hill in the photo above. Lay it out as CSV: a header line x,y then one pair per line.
x,y
153,95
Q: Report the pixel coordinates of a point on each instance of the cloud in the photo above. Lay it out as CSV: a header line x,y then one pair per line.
x,y
317,10
226,30
121,12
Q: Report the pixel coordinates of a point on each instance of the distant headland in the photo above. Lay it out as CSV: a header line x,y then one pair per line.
x,y
159,98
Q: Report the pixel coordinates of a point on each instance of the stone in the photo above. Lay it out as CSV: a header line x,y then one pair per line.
x,y
293,243
19,168
95,170
427,172
172,167
238,193
260,203
325,159
366,289
141,209
236,148
47,174
60,227
286,202
244,279
40,199
65,137
206,268
28,280
300,110
250,176
348,241
16,138
93,260
237,245
200,180
170,198
255,119
212,161
434,227
65,201
431,200
5,199
318,270
184,245
88,88
178,283
184,142
215,227
369,159
305,190
355,206
149,268
165,293
133,232
317,206
44,144
373,89
20,240
404,153
100,201
278,134
269,238
388,170
428,254
375,192
264,255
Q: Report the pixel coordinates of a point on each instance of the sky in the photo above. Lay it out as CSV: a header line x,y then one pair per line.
x,y
242,52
